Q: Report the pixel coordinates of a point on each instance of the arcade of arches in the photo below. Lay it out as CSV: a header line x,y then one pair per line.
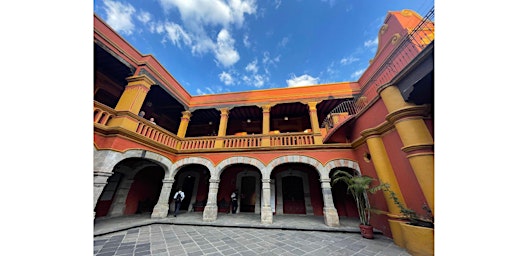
x,y
287,185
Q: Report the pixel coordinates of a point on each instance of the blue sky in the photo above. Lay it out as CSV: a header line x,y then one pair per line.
x,y
219,46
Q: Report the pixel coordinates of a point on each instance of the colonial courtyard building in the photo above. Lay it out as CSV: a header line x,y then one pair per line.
x,y
278,147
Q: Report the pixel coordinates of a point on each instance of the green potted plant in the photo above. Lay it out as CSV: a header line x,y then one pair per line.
x,y
415,232
358,186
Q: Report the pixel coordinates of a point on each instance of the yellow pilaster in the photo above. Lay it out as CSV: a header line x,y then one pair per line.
x,y
224,114
131,101
266,125
416,138
134,94
384,170
185,119
315,126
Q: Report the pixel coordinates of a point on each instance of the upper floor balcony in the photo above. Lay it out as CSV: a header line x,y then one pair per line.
x,y
205,136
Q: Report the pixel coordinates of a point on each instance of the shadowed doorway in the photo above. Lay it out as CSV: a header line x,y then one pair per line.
x,y
293,195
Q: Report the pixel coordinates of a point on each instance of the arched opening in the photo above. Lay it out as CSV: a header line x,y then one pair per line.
x,y
297,187
193,181
247,179
293,195
145,190
342,199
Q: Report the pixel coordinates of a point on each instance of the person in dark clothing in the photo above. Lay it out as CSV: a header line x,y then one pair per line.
x,y
178,197
234,201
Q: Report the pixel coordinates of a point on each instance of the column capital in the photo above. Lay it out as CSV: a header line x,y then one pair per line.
x,y
214,180
186,114
224,111
266,107
140,79
312,105
266,180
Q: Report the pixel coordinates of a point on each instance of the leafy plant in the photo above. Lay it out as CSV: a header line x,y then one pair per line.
x,y
426,220
358,186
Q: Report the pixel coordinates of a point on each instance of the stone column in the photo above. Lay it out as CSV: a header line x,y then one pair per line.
x,y
224,114
266,209
119,203
162,206
131,101
100,180
331,217
383,168
265,142
416,138
185,119
211,209
315,126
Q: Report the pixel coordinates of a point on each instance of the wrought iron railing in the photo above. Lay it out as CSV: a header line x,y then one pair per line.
x,y
411,44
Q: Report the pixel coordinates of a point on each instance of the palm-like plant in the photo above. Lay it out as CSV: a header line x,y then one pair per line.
x,y
358,187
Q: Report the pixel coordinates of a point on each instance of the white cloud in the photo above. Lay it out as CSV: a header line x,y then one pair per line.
x,y
198,13
372,43
357,74
349,60
277,3
252,67
225,52
144,17
284,42
246,41
177,34
119,16
199,16
226,78
267,60
301,80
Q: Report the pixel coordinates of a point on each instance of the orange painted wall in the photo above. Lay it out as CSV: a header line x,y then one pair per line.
x,y
147,185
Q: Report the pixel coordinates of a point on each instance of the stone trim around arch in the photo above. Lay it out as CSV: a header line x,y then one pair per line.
x,y
239,160
341,163
190,160
105,160
295,159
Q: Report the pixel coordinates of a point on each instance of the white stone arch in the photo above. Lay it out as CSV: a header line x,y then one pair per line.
x,y
329,166
191,160
277,195
295,159
106,160
239,160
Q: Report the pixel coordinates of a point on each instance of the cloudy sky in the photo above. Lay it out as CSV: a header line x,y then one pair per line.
x,y
218,46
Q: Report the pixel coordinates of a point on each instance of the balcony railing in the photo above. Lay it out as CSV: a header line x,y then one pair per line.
x,y
411,44
104,114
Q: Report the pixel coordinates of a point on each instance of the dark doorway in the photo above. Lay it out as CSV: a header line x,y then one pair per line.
x,y
248,194
188,189
293,195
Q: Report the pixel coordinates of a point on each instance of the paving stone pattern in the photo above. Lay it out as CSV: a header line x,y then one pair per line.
x,y
164,239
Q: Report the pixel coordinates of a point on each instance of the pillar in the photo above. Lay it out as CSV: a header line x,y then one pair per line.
x,y
315,126
185,119
331,217
265,142
211,209
119,203
416,138
131,101
384,169
224,114
100,180
266,209
161,208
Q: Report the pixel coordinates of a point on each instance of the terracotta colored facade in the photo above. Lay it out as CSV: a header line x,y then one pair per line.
x,y
278,147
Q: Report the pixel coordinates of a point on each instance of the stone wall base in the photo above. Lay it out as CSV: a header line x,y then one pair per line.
x,y
266,215
331,217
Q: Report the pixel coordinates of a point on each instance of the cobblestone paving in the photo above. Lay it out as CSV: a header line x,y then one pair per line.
x,y
163,239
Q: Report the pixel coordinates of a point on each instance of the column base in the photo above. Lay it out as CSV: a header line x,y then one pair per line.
x,y
210,213
266,215
331,217
160,211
